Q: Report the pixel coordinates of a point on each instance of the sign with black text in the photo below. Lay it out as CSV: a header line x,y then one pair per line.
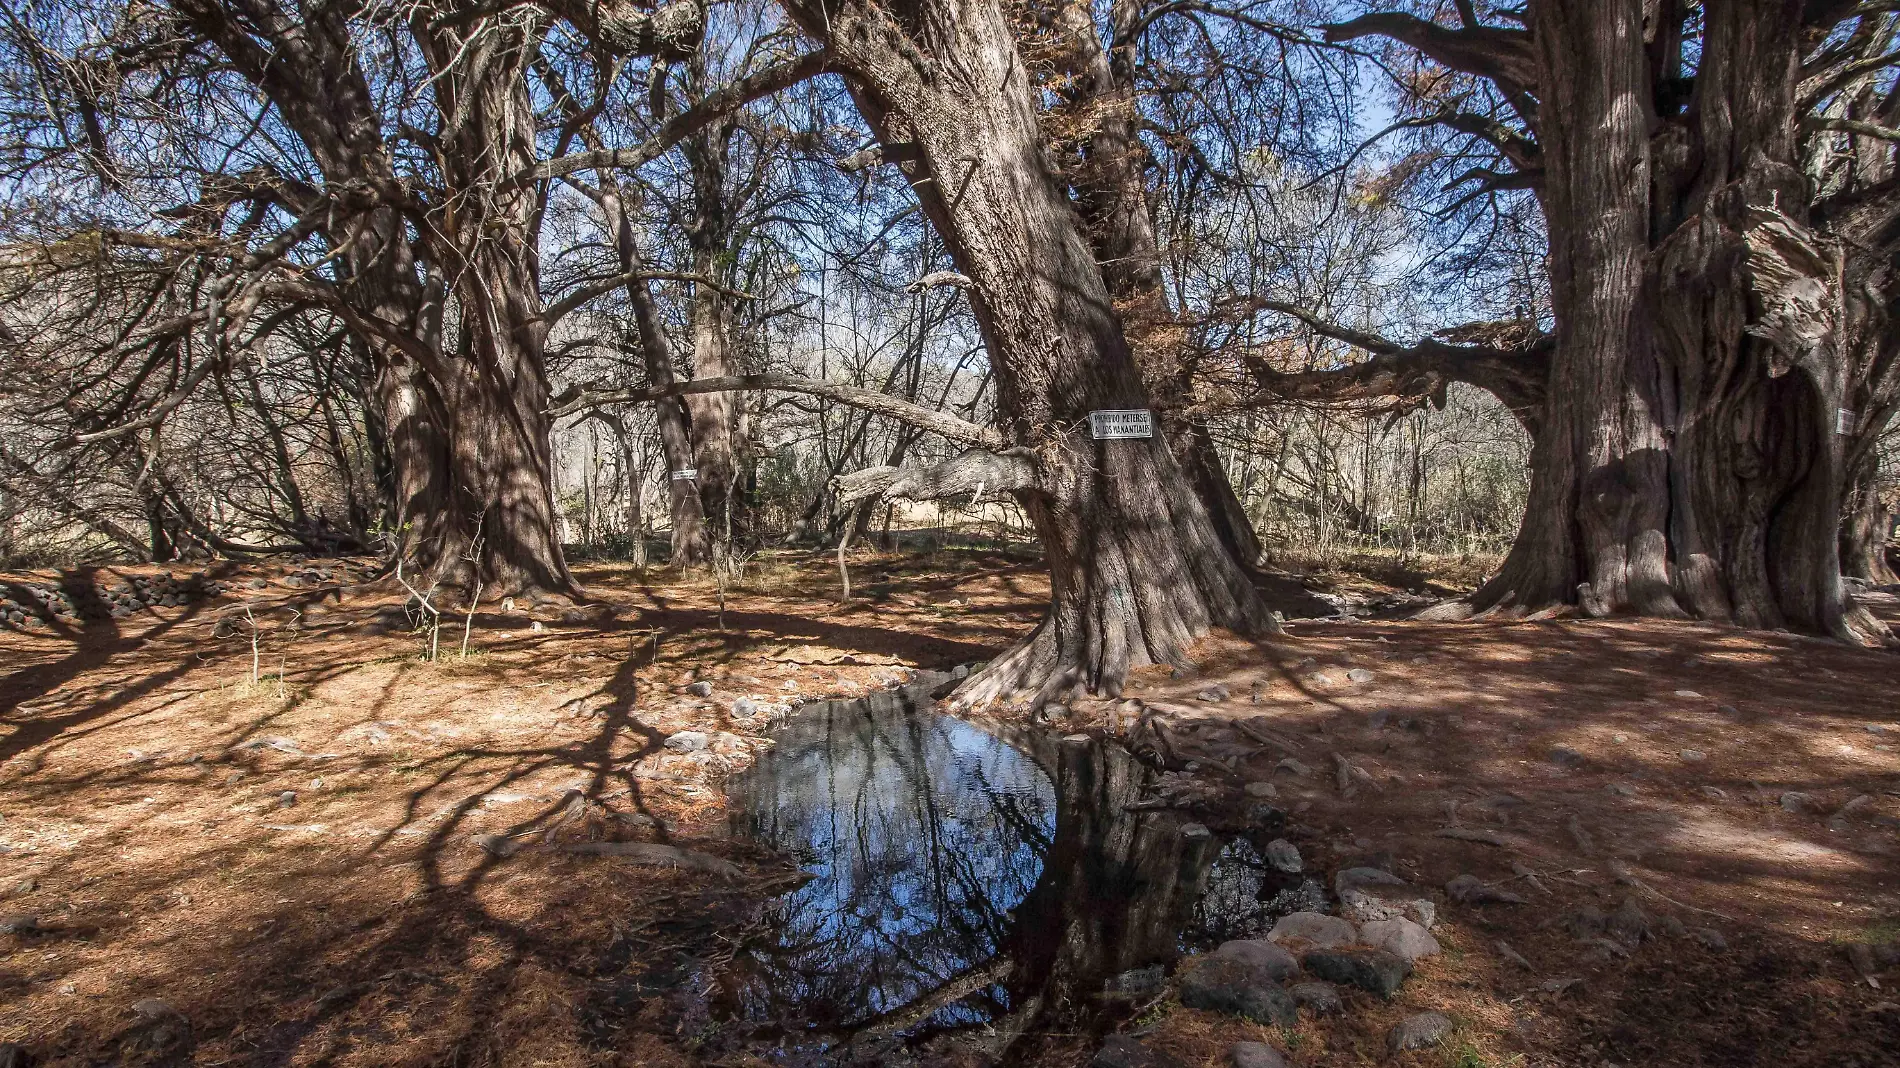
x,y
1118,424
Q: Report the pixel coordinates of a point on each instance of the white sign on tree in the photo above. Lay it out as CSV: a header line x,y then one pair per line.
x,y
1115,424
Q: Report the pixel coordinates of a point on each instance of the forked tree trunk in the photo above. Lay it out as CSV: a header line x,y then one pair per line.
x,y
1691,463
1138,570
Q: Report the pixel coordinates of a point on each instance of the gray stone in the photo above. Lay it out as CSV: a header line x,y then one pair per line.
x,y
1242,979
1261,789
1422,912
1377,720
1564,756
1320,999
1255,1055
1284,856
1314,928
1216,692
1372,894
699,689
1709,937
19,923
1401,938
1373,970
1693,756
1121,1052
1359,675
745,708
287,799
1418,1032
687,741
1796,801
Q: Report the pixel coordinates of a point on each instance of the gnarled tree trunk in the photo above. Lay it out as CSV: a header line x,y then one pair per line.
x,y
1138,568
1691,461
1867,527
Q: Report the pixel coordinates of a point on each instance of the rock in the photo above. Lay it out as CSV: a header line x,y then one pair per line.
x,y
1418,1032
1120,1052
1693,756
154,1009
1714,793
687,741
1216,692
1373,970
1687,693
1294,766
1620,789
1422,912
495,845
1861,956
1629,923
1401,938
745,708
1470,890
1566,757
1284,856
1796,801
1585,924
234,778
1709,937
1359,675
287,799
1242,978
1377,719
1372,894
1320,999
699,689
19,923
1314,928
1261,789
1255,1055
1195,830
23,887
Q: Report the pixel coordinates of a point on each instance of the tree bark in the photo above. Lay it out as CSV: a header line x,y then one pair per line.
x,y
1138,568
691,543
1689,463
1867,527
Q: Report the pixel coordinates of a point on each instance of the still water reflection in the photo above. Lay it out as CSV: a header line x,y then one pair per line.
x,y
964,877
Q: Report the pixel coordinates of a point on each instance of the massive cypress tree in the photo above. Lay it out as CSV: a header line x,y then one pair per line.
x,y
1717,184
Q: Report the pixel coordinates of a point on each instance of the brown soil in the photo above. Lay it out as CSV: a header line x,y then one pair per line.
x,y
413,906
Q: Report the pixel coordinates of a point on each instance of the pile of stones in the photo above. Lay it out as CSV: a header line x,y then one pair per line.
x,y
30,605
1383,928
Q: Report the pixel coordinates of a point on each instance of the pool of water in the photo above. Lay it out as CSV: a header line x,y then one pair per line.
x,y
967,879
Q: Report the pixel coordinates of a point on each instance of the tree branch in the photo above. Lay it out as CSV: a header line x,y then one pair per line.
x,y
702,114
940,423
976,472
1504,56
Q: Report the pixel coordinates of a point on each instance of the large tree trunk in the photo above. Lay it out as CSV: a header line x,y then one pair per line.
x,y
1138,569
1867,526
504,531
1104,165
1690,464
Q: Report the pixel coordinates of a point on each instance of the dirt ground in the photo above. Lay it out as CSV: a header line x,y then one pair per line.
x,y
350,854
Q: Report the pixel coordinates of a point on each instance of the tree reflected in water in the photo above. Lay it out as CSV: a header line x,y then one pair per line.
x,y
962,877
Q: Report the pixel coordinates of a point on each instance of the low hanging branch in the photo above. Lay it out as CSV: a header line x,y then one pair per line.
x,y
1409,376
941,423
975,472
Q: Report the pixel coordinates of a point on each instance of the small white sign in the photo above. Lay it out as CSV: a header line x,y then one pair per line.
x,y
1845,420
1117,424
686,474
